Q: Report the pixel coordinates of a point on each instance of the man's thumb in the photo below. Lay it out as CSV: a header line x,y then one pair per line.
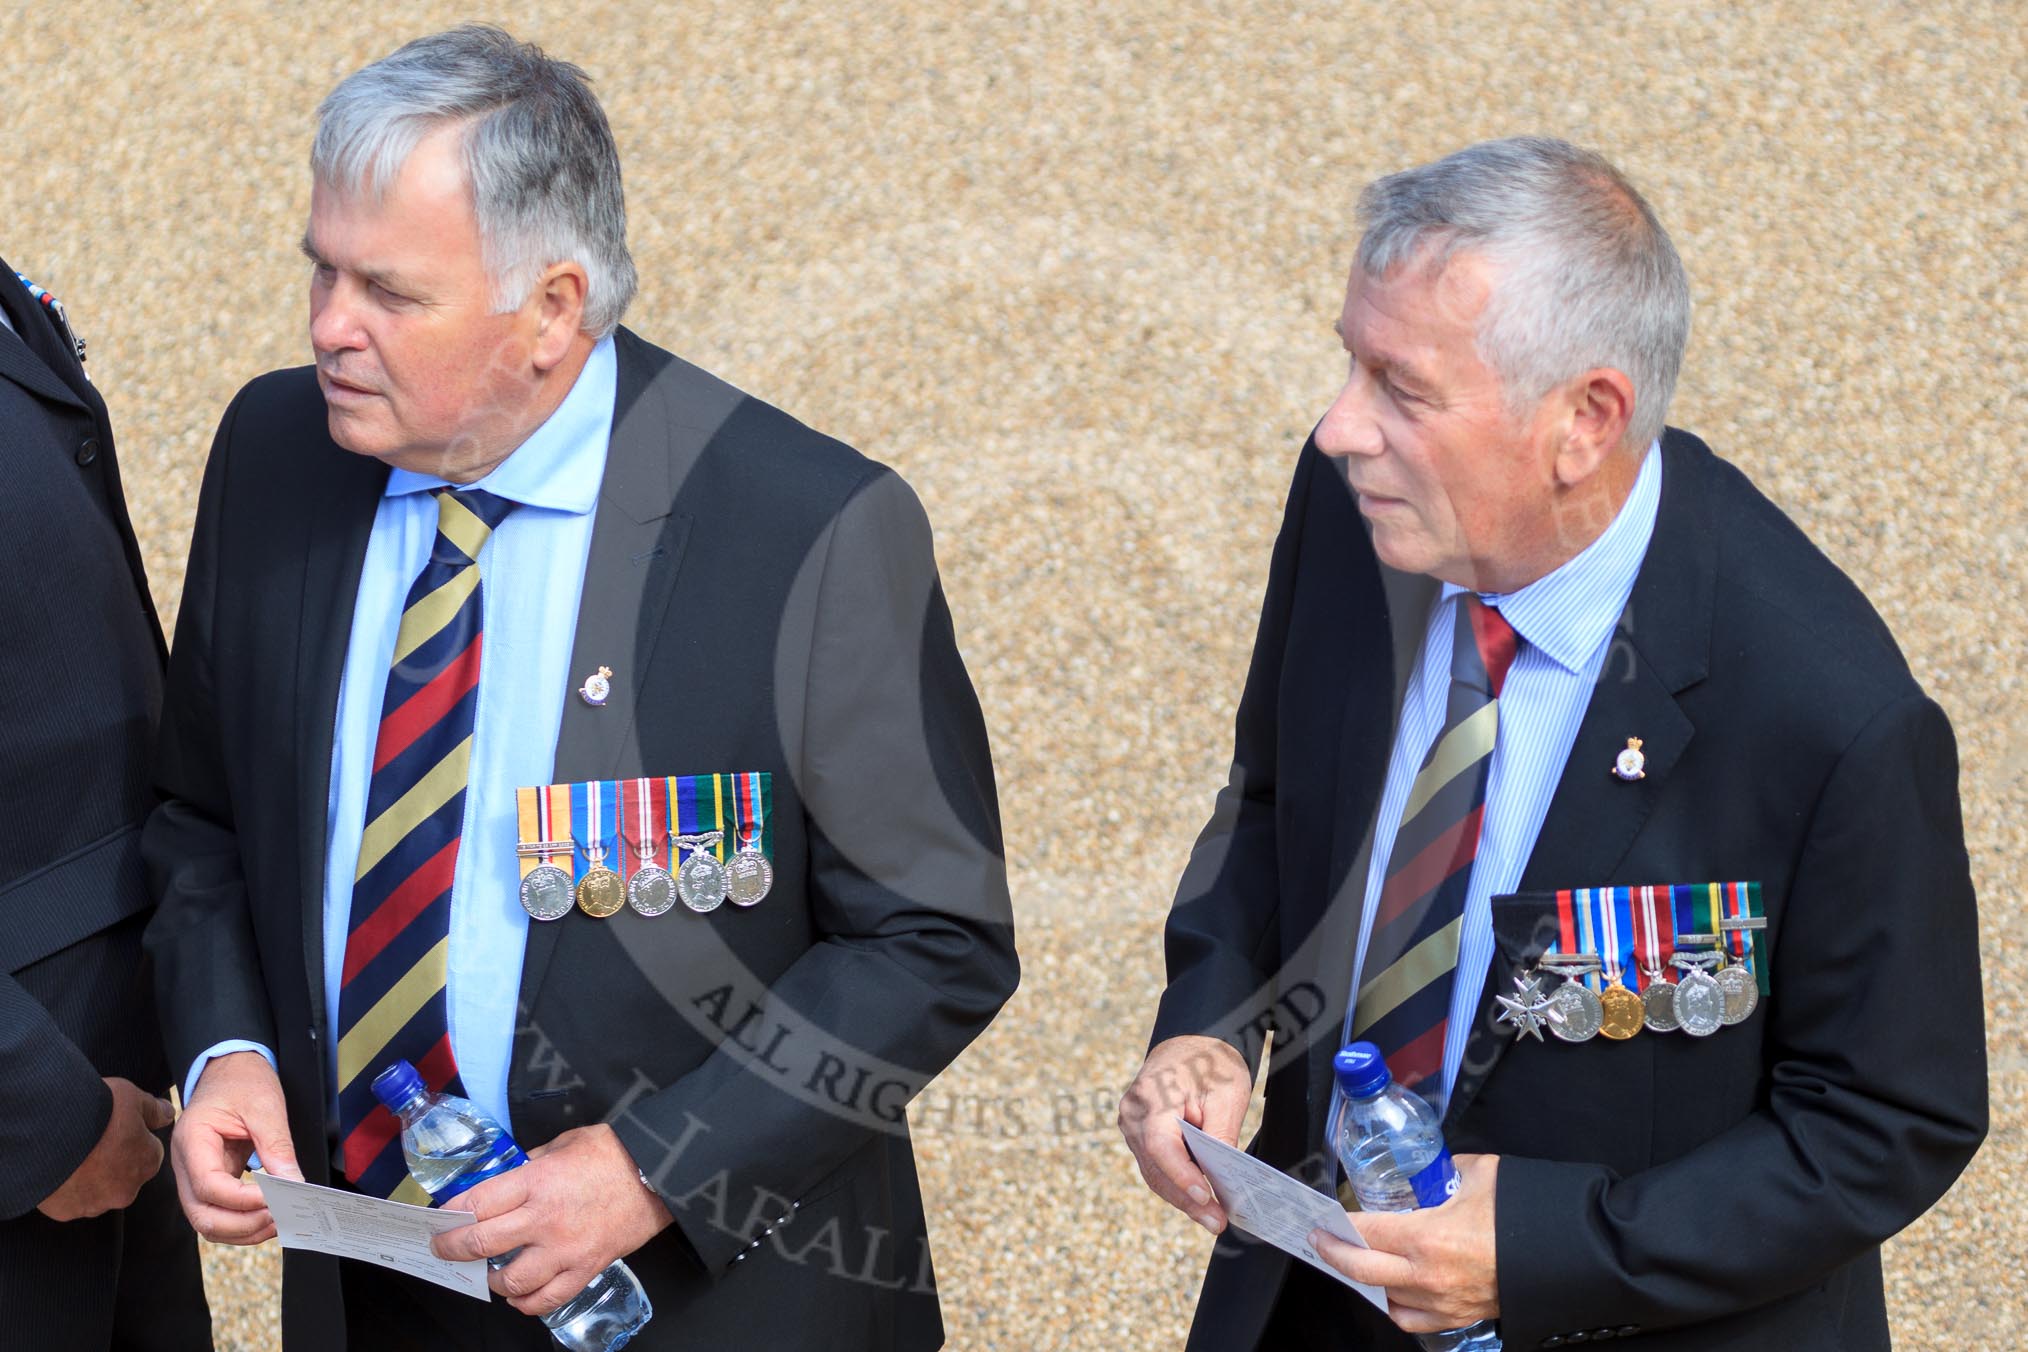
x,y
270,1132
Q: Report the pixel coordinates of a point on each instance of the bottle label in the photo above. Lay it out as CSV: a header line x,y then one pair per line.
x,y
503,1156
1437,1183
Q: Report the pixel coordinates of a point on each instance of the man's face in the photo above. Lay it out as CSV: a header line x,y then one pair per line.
x,y
415,368
1452,484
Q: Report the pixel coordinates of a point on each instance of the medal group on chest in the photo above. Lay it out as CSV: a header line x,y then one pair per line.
x,y
1668,958
646,844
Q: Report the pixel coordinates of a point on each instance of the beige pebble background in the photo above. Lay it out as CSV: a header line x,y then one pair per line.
x,y
1071,266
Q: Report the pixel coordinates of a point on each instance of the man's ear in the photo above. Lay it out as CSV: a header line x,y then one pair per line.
x,y
1600,407
559,312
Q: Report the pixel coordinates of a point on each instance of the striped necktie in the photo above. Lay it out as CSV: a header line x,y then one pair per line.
x,y
391,996
1404,1003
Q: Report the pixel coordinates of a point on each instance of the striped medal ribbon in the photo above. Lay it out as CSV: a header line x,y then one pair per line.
x,y
1655,951
1620,1005
1575,1013
1700,1002
600,891
651,888
701,879
1737,908
751,870
545,886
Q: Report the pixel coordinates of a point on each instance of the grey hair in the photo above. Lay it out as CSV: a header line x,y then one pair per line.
x,y
1588,277
540,158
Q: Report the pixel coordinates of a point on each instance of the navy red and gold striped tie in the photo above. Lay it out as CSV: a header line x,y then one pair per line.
x,y
1405,998
391,995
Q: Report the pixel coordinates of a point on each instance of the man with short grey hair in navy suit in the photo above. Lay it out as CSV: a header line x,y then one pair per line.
x,y
1570,775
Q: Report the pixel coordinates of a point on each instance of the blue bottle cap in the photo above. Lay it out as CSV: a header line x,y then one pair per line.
x,y
1361,1069
398,1084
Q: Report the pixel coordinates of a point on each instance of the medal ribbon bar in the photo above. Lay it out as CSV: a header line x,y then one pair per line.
x,y
644,816
1654,927
1612,922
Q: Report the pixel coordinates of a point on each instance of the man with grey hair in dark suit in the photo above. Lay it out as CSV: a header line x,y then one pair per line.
x,y
1572,777
93,1252
491,543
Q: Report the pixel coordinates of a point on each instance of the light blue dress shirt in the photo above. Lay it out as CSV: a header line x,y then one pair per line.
x,y
1566,620
531,573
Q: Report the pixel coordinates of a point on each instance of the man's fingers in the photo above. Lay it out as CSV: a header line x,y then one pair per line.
x,y
495,1197
1371,1266
223,1226
1225,1111
1173,1176
531,1271
483,1239
157,1113
209,1177
557,1292
270,1135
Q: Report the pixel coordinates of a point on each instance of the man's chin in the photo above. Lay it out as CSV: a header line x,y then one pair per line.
x,y
353,434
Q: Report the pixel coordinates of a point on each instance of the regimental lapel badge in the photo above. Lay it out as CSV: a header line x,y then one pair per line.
x,y
597,688
1630,764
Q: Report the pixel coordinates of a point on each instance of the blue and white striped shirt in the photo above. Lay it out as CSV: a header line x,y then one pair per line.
x,y
1565,619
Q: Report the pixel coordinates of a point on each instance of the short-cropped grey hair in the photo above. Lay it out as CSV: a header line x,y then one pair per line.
x,y
544,172
1588,276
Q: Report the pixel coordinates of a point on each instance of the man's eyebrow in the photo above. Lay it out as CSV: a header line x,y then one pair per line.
x,y
379,278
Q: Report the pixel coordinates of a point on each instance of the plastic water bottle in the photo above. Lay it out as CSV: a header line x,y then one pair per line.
x,y
1392,1147
451,1145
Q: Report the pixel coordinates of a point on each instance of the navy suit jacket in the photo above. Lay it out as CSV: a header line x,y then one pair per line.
x,y
80,688
767,600
1724,1192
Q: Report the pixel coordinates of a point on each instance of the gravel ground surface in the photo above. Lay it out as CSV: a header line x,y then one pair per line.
x,y
1072,267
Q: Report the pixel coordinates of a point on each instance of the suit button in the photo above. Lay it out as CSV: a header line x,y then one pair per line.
x,y
1627,1330
1601,1335
87,450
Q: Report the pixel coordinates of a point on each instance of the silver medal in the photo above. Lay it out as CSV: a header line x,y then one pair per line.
x,y
751,876
546,893
701,880
1527,1008
1741,993
1659,1005
651,891
1575,1013
1700,1003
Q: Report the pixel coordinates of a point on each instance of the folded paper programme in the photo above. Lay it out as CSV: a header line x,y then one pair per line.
x,y
1266,1203
390,1234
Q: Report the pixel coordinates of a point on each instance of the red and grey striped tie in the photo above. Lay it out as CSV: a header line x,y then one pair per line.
x,y
1412,952
391,996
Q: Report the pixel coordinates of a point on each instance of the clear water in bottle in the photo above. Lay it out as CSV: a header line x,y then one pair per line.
x,y
451,1145
1392,1147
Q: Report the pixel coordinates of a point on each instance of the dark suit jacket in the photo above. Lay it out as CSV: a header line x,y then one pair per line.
x,y
1725,1192
767,600
80,687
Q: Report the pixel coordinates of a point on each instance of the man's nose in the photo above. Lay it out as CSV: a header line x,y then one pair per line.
x,y
334,322
1348,427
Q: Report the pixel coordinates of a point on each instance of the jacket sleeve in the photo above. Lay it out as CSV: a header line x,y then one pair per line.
x,y
1221,942
908,891
1875,1075
207,969
53,1104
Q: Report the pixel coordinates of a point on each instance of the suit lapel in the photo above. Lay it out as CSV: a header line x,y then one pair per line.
x,y
638,542
1660,647
346,491
26,354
